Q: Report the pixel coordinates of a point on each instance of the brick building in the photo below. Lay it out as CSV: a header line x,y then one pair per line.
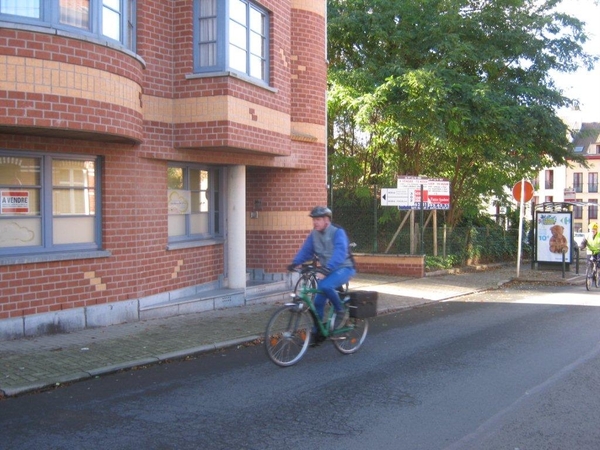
x,y
150,148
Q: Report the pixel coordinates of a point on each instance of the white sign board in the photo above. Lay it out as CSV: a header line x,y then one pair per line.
x,y
395,197
436,193
570,195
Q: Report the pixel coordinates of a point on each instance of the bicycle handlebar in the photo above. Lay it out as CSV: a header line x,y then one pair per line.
x,y
308,269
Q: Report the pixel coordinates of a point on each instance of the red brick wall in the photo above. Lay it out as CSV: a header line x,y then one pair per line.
x,y
404,265
134,232
136,152
309,68
40,109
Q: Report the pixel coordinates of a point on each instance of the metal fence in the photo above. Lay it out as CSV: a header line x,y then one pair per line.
x,y
392,236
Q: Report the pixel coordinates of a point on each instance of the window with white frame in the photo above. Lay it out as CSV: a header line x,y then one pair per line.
x,y
578,210
593,182
549,179
578,181
194,202
593,209
49,203
112,19
231,36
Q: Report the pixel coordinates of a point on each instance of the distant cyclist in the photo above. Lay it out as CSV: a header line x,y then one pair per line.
x,y
592,240
330,244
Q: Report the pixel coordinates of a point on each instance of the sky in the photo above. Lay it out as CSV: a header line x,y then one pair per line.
x,y
583,85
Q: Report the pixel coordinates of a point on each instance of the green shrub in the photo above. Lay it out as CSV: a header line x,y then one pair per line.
x,y
433,263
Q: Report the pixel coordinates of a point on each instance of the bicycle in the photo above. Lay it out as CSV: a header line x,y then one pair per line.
x,y
289,330
591,273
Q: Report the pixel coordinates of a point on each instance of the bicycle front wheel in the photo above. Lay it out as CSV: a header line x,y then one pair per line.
x,y
350,341
288,334
304,283
589,274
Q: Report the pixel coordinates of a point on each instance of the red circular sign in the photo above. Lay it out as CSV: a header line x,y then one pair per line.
x,y
528,190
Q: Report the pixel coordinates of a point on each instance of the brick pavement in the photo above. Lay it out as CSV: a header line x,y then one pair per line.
x,y
36,363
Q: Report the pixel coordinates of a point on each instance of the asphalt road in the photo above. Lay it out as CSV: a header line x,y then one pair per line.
x,y
507,369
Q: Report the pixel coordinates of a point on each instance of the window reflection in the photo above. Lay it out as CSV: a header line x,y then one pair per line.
x,y
25,8
75,13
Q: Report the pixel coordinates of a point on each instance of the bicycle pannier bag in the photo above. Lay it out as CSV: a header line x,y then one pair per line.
x,y
363,304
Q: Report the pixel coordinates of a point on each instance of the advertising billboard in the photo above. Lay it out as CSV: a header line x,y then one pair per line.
x,y
553,232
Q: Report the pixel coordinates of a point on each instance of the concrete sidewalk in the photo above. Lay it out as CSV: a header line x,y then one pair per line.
x,y
36,363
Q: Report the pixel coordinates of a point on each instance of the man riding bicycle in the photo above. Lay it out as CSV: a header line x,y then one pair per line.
x,y
330,244
592,241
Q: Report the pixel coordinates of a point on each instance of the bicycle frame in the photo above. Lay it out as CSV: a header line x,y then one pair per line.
x,y
305,297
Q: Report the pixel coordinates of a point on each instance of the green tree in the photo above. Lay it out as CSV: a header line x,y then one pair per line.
x,y
459,89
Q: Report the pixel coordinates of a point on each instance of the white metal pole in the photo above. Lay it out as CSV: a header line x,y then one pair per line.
x,y
520,226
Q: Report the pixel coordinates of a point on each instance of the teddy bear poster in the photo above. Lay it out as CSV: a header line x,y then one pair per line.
x,y
554,235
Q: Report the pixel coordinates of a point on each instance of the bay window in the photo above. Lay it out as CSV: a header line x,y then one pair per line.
x,y
231,36
112,19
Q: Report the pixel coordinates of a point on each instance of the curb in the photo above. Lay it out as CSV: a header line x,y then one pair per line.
x,y
106,370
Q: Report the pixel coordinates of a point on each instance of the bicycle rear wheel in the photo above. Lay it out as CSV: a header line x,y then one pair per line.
x,y
288,334
350,341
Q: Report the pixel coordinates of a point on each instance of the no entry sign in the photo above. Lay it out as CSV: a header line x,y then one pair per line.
x,y
527,189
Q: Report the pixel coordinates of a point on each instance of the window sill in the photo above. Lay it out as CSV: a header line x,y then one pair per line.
x,y
227,73
194,244
51,257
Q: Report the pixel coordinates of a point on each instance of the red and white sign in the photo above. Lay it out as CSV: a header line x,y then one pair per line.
x,y
13,202
527,189
436,193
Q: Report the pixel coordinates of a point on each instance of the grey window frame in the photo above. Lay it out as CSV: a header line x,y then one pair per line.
x,y
221,41
50,17
216,203
47,216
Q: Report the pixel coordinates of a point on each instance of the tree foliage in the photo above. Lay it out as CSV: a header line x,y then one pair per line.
x,y
459,89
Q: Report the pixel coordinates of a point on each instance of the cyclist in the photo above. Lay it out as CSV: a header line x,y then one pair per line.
x,y
330,244
592,241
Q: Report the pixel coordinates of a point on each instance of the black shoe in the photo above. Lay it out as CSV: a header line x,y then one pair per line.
x,y
340,320
316,339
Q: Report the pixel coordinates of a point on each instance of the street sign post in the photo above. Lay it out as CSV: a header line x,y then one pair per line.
x,y
522,192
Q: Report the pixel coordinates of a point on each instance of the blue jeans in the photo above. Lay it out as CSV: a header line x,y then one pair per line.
x,y
327,287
